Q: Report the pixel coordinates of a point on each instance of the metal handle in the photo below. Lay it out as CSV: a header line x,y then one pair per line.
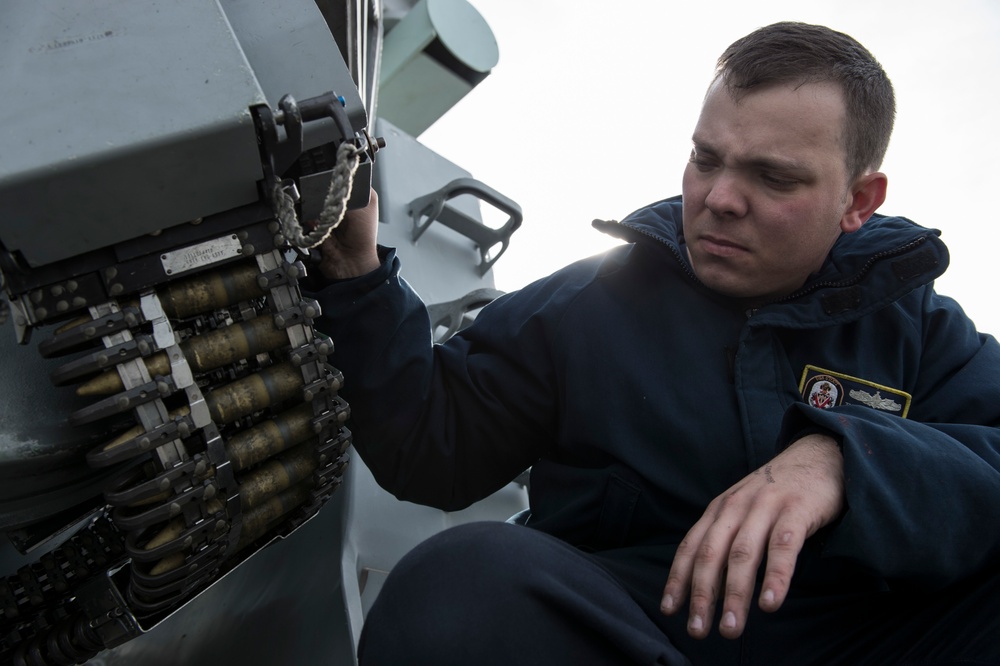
x,y
433,207
452,314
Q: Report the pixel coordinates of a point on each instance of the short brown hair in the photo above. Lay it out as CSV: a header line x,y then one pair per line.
x,y
799,53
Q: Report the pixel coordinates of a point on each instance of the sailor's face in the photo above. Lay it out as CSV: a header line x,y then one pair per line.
x,y
766,189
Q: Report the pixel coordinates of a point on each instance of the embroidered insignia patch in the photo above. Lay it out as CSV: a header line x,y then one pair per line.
x,y
825,389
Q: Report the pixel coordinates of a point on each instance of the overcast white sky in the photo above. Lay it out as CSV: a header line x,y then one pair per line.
x,y
590,110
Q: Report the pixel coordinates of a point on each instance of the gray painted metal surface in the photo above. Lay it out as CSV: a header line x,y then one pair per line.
x,y
119,119
433,57
305,60
126,119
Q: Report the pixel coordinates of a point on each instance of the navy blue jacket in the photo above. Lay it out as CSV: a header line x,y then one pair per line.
x,y
637,395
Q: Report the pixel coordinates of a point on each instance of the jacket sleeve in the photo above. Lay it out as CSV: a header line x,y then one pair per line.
x,y
923,493
442,425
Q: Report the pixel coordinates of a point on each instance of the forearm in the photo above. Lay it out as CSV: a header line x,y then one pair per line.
x,y
918,496
382,346
421,417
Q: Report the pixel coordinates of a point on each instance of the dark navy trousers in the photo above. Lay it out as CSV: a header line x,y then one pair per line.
x,y
493,593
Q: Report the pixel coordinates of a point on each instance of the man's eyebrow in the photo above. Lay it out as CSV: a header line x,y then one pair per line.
x,y
701,146
767,162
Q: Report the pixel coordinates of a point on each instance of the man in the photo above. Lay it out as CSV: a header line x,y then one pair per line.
x,y
673,374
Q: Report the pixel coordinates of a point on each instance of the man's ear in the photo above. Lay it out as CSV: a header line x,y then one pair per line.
x,y
867,194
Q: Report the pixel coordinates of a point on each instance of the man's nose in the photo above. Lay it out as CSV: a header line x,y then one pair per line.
x,y
726,196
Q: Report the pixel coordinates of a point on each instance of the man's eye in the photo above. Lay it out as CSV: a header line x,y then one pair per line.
x,y
779,182
701,163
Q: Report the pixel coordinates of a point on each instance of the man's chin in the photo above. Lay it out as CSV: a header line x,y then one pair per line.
x,y
726,283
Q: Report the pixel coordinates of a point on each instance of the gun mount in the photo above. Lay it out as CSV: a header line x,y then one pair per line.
x,y
168,411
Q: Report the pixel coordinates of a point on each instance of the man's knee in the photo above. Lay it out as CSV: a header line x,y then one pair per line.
x,y
444,592
493,593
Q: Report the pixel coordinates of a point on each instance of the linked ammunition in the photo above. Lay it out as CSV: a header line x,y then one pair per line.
x,y
270,386
275,476
168,564
203,353
173,530
254,445
258,520
137,430
247,447
219,289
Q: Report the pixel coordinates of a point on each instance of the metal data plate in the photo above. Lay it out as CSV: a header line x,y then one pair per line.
x,y
201,255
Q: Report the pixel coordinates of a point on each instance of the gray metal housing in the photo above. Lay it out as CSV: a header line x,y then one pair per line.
x,y
159,131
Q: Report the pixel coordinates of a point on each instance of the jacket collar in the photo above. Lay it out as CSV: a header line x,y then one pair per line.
x,y
885,259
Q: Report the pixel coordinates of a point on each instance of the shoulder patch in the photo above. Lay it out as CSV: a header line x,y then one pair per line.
x,y
825,389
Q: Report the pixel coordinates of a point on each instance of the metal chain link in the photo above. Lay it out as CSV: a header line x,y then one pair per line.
x,y
31,597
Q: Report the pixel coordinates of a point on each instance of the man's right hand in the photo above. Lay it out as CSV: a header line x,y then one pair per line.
x,y
768,515
350,249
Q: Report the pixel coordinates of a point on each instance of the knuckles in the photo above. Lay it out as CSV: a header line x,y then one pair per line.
x,y
742,552
706,553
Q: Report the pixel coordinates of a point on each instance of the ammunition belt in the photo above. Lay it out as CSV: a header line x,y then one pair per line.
x,y
238,437
41,626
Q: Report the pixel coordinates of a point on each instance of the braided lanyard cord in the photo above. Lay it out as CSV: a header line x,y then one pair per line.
x,y
334,205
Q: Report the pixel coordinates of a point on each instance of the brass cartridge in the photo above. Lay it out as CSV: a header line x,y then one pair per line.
x,y
137,430
110,382
79,321
258,520
170,531
219,289
168,564
203,353
255,392
253,445
233,343
174,530
276,475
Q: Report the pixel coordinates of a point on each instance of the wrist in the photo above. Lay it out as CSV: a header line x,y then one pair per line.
x,y
342,268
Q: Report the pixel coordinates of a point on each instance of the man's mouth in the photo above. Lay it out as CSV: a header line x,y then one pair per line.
x,y
721,246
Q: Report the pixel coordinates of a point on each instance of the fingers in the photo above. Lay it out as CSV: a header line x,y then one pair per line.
x,y
782,553
679,580
718,560
771,511
706,579
716,556
351,249
366,212
745,556
780,539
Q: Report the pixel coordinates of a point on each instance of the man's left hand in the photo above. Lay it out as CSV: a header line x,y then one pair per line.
x,y
776,508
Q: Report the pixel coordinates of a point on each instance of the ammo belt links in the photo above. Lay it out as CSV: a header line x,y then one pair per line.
x,y
229,434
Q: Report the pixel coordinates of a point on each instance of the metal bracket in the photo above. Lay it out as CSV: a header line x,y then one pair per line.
x,y
452,314
433,207
110,454
109,611
281,153
334,418
160,387
102,359
291,115
107,324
